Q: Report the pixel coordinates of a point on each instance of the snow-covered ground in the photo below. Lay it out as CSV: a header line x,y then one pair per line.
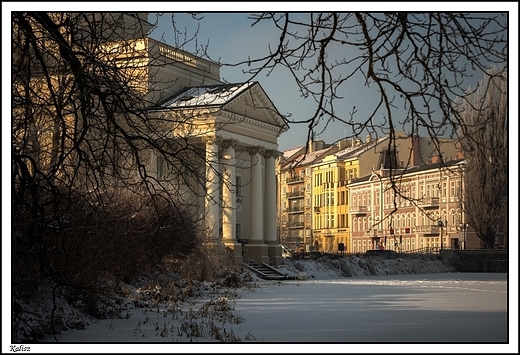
x,y
343,305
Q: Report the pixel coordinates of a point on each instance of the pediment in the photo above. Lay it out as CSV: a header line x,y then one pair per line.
x,y
247,101
254,104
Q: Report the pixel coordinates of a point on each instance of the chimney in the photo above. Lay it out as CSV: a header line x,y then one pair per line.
x,y
436,159
416,151
310,146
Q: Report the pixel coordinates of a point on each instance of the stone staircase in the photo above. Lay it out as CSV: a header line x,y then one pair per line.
x,y
267,272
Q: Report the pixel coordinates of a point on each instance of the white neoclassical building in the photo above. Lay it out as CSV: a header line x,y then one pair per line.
x,y
234,125
238,127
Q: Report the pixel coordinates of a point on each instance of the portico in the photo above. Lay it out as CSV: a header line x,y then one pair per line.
x,y
256,210
238,127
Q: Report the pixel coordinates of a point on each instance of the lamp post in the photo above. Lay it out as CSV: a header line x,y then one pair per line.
x,y
464,228
440,224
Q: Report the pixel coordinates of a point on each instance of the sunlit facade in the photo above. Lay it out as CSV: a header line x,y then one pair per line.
x,y
418,209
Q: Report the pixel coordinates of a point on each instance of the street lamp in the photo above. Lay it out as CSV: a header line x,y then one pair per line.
x,y
464,228
440,224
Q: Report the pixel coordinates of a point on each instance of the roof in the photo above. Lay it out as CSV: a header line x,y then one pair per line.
x,y
287,154
415,169
211,95
352,152
308,158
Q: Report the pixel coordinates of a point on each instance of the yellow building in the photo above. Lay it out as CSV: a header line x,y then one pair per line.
x,y
331,221
295,194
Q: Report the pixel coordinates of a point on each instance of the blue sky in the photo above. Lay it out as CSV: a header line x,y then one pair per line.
x,y
231,38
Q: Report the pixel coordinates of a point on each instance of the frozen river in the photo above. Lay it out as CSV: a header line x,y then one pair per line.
x,y
341,315
459,307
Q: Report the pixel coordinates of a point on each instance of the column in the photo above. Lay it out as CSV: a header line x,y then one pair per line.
x,y
270,226
228,191
270,199
212,184
256,203
256,250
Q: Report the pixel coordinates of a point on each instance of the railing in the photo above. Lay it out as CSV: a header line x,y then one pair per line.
x,y
427,229
183,57
295,209
358,209
294,179
428,202
295,224
424,250
294,194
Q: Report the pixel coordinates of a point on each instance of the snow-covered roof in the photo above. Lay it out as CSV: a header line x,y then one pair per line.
x,y
308,158
355,151
289,153
212,95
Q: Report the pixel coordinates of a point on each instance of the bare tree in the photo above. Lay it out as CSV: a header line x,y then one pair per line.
x,y
418,63
86,199
485,143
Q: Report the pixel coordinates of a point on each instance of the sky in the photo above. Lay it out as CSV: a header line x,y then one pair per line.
x,y
230,37
325,307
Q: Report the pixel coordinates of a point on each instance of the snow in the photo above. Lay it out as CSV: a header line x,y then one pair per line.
x,y
341,305
206,95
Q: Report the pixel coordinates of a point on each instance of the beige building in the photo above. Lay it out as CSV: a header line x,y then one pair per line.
x,y
419,208
228,130
238,127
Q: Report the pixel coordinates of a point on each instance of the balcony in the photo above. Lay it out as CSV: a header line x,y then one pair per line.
x,y
427,229
294,179
296,224
327,185
358,210
297,209
428,202
294,194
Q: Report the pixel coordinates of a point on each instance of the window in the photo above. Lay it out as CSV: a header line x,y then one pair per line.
x,y
160,167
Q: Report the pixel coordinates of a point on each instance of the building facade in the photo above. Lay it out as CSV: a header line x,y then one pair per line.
x,y
417,209
295,194
324,188
226,132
